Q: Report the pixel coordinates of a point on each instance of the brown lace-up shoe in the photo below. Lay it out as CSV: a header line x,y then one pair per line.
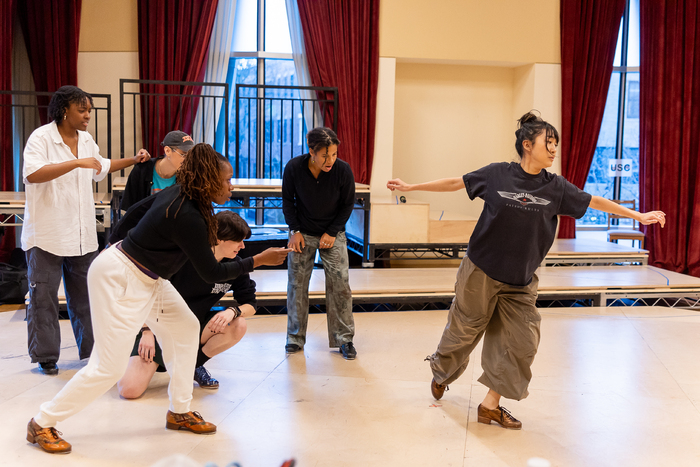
x,y
48,439
500,415
438,389
190,421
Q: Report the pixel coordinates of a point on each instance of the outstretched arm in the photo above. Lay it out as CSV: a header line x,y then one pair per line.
x,y
119,164
444,184
646,218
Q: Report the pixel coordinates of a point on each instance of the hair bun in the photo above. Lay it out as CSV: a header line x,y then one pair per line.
x,y
530,126
527,118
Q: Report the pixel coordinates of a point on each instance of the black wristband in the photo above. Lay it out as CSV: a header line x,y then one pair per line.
x,y
236,312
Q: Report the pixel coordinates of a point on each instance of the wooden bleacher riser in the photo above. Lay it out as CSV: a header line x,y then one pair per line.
x,y
450,227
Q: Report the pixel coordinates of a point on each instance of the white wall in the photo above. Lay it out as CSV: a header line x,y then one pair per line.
x,y
99,73
382,165
450,119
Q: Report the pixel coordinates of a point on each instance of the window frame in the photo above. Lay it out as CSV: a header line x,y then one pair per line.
x,y
623,71
260,55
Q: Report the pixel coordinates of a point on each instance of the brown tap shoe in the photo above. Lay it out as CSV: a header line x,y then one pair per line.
x,y
438,389
500,415
190,421
48,439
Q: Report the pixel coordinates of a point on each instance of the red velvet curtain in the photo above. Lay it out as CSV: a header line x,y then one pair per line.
x,y
51,31
669,146
342,46
589,30
7,243
173,44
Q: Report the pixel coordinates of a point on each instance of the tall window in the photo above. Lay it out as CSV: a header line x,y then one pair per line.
x,y
614,172
262,55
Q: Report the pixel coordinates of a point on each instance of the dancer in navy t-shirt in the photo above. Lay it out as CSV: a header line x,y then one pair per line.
x,y
496,286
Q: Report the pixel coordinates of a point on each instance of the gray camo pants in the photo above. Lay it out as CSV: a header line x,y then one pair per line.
x,y
506,316
341,325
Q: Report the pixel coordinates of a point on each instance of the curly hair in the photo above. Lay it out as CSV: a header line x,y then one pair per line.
x,y
199,178
63,98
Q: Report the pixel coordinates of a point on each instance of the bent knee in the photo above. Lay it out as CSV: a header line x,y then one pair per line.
x,y
238,328
130,391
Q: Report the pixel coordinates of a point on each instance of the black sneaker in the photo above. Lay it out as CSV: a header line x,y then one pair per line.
x,y
204,379
48,368
348,351
292,348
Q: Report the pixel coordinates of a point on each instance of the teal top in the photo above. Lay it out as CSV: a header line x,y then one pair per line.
x,y
160,183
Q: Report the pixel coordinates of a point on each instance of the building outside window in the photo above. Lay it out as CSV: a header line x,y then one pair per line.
x,y
262,55
614,172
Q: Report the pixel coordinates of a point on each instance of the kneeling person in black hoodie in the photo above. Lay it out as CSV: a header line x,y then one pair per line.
x,y
220,330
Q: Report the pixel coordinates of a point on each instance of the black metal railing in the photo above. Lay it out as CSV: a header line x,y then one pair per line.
x,y
271,124
25,110
181,101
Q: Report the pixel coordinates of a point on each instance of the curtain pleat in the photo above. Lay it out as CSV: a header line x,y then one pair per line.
x,y
342,47
7,240
51,30
589,30
669,146
174,40
220,47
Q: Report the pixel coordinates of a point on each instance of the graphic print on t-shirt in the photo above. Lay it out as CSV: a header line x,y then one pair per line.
x,y
524,198
221,288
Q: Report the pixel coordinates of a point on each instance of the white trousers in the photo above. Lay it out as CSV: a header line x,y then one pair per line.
x,y
122,299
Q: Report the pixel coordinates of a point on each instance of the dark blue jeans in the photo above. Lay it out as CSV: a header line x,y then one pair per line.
x,y
341,325
43,331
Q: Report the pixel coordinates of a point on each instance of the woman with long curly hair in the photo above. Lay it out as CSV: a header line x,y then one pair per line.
x,y
129,285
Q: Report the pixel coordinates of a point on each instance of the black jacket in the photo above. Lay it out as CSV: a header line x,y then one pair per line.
x,y
199,294
172,231
317,205
139,184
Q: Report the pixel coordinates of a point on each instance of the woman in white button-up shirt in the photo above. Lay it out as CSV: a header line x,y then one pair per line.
x,y
59,233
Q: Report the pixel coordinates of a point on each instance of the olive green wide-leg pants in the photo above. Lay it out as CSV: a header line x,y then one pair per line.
x,y
507,318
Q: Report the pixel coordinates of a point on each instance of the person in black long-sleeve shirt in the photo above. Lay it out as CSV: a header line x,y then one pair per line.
x,y
128,285
318,195
220,330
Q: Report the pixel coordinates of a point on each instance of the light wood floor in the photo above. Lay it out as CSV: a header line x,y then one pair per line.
x,y
612,387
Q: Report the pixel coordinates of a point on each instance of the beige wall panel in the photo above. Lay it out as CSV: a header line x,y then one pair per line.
x,y
538,87
398,223
109,26
470,30
523,89
384,129
548,100
100,73
450,120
